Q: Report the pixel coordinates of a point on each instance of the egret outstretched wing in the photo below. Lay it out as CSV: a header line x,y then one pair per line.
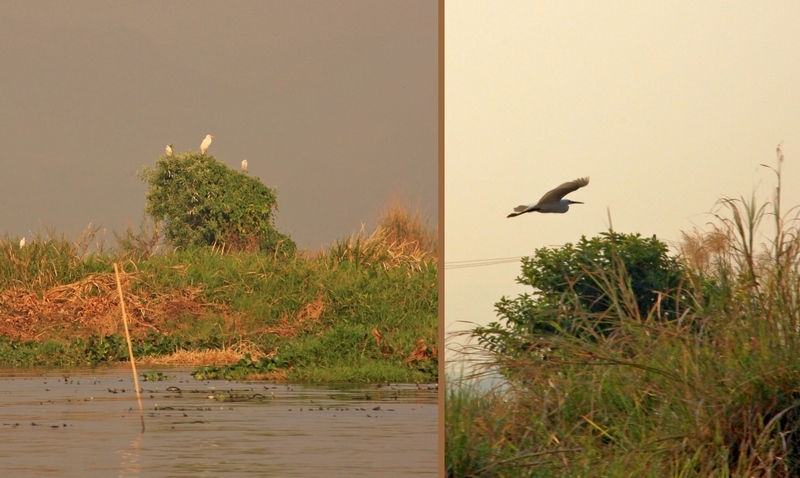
x,y
558,193
553,200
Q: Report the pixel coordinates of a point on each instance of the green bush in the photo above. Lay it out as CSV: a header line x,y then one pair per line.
x,y
567,284
202,202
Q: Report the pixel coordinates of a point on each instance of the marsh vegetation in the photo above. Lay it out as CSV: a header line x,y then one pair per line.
x,y
626,360
228,291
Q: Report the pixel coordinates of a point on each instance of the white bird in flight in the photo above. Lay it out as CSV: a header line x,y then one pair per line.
x,y
205,144
169,149
552,201
244,165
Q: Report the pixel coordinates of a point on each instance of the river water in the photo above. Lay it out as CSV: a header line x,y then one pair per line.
x,y
87,423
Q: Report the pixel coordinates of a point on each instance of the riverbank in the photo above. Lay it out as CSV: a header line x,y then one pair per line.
x,y
363,310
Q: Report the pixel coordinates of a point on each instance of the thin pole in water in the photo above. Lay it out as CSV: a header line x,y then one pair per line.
x,y
130,345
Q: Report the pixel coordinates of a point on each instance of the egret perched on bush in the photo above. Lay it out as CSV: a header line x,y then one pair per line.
x,y
169,149
244,165
552,201
22,243
205,144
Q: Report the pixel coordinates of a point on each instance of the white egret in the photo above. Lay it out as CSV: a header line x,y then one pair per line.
x,y
244,165
169,149
552,201
22,243
205,144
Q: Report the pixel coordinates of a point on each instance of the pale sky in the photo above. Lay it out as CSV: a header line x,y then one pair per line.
x,y
335,103
667,106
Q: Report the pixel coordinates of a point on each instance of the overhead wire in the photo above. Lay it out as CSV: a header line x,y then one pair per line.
x,y
480,262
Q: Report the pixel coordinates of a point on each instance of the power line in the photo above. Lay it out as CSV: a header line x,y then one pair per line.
x,y
480,262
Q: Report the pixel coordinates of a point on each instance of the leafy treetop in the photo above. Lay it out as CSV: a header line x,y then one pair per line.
x,y
202,202
594,276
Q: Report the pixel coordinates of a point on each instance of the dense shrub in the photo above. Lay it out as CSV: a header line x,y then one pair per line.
x,y
201,202
566,282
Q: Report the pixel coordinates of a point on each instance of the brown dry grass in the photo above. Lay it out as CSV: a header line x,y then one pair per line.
x,y
402,227
420,352
305,318
226,356
91,306
400,240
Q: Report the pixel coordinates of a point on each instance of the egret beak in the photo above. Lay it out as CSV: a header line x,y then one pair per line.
x,y
575,202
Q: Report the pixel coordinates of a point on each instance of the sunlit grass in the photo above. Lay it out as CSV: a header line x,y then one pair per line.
x,y
712,391
323,311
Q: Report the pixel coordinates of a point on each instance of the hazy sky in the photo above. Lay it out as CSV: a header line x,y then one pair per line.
x,y
667,106
332,102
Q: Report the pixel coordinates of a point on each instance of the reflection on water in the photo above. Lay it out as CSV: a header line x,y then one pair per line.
x,y
86,423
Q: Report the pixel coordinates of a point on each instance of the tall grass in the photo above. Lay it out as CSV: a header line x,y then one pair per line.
x,y
50,259
711,391
401,239
356,312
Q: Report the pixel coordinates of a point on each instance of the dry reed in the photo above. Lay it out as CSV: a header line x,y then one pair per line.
x,y
130,345
89,306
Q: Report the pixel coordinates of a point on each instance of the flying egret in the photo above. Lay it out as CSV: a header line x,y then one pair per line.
x,y
169,149
205,144
244,165
552,202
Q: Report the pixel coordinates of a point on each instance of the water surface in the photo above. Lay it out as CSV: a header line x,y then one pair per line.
x,y
87,423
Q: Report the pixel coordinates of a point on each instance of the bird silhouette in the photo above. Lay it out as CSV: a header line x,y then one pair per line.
x,y
552,201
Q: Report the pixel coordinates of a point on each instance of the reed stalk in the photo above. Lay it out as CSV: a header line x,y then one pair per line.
x,y
130,345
